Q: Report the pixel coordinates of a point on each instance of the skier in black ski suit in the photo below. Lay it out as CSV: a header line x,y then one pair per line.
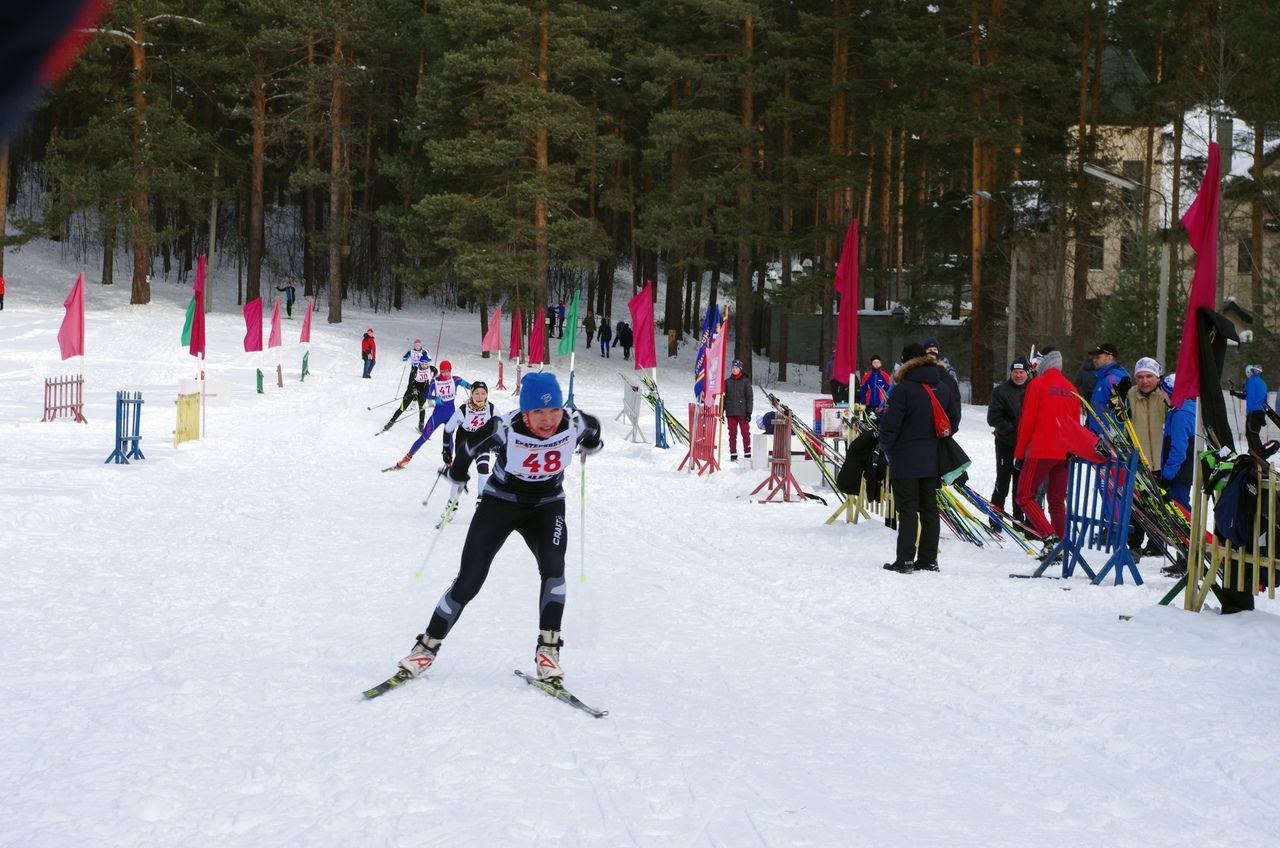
x,y
525,494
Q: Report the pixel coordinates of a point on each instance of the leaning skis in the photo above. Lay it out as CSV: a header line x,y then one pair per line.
x,y
556,689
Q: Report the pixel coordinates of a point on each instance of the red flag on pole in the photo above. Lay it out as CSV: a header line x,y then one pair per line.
x,y
71,334
253,325
538,338
1201,222
517,335
274,341
493,339
847,326
641,309
305,338
196,347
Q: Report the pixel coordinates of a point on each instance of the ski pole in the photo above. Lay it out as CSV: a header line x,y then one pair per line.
x,y
582,520
380,405
433,487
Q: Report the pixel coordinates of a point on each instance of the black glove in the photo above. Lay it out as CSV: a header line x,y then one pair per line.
x,y
1102,449
1017,465
447,455
877,459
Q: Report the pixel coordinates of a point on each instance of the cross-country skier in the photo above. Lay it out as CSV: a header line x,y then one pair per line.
x,y
415,354
417,390
532,447
469,420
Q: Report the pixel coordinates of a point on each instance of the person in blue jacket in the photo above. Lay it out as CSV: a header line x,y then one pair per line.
x,y
289,293
1112,386
1255,406
873,391
1177,457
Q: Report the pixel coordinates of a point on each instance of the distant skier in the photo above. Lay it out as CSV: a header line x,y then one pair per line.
x,y
415,354
533,448
416,390
289,293
1254,396
368,352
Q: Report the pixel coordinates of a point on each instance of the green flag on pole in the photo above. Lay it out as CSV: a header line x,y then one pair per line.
x,y
570,321
186,328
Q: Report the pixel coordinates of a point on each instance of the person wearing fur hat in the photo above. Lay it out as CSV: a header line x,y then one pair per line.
x,y
1049,408
1004,411
737,409
1254,396
909,441
532,447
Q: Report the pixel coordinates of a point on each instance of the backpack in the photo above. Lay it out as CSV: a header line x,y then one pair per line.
x,y
941,423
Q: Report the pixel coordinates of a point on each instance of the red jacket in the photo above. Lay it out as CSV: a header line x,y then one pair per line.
x,y
368,350
1051,405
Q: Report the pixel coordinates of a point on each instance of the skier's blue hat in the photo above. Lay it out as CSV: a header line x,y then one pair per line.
x,y
540,390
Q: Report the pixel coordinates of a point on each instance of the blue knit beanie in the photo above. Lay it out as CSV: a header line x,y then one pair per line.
x,y
540,390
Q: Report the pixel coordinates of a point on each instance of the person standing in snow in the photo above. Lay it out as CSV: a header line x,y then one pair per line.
x,y
1254,396
368,352
605,335
589,324
1177,456
737,409
533,447
1148,407
932,348
1040,454
1111,385
1004,411
1,292
909,440
873,390
416,390
289,293
624,338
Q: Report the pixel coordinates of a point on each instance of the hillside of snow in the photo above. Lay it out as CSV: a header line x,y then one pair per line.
x,y
184,640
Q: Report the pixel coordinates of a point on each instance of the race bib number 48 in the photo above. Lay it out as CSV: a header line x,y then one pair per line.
x,y
535,460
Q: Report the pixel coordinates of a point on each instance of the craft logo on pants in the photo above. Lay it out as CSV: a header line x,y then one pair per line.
x,y
558,535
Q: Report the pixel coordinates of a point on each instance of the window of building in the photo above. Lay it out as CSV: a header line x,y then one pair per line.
x,y
1093,241
1244,257
1130,251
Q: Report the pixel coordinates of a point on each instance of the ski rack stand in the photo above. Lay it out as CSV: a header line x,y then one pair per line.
x,y
780,479
1099,503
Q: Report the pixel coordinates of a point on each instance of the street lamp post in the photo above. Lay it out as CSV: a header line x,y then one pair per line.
x,y
1162,308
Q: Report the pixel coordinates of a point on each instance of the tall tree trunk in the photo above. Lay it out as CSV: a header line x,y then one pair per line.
x,y
253,284
310,200
141,290
1255,234
108,244
4,197
541,164
837,141
745,304
1081,325
336,230
982,182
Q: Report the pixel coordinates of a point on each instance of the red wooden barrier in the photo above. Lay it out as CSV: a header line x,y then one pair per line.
x,y
64,396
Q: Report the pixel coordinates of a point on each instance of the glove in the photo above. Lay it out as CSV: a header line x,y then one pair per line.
x,y
877,459
1017,465
447,455
1102,449
593,450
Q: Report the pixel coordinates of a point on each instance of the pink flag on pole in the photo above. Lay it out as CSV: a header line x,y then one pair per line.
x,y
1201,222
493,339
847,326
517,335
641,309
274,341
253,325
715,363
305,338
538,338
196,347
71,334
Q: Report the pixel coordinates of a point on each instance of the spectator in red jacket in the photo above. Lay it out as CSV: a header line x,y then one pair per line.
x,y
368,352
1050,403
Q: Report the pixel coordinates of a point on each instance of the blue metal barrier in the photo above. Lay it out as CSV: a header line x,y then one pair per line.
x,y
1099,503
660,424
128,428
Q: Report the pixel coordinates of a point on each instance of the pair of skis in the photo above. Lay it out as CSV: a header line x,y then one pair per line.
x,y
554,688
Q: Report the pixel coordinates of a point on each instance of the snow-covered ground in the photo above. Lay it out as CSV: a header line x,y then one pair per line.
x,y
184,640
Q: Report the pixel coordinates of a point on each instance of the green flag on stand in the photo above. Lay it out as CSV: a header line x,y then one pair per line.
x,y
570,321
186,327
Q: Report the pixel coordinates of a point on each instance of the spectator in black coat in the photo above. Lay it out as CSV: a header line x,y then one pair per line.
x,y
1003,414
625,338
909,441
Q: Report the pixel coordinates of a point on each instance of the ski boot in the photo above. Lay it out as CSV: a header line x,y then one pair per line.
x,y
422,655
405,461
547,656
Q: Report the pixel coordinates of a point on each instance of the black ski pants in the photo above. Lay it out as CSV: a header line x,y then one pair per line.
x,y
916,500
1253,424
414,391
1006,473
543,530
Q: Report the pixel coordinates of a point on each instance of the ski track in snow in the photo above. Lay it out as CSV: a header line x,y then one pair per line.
x,y
184,640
